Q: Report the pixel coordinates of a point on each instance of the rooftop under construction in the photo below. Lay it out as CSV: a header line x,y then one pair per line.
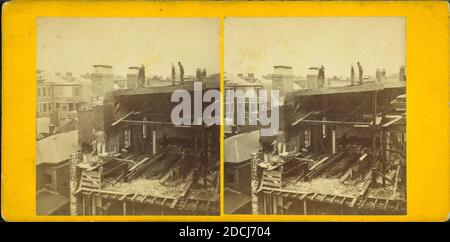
x,y
342,150
146,165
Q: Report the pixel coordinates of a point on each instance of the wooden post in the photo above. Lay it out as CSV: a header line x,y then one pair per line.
x,y
73,183
275,210
313,208
305,207
382,157
93,205
124,205
324,128
154,140
99,201
84,204
254,181
265,203
374,145
333,140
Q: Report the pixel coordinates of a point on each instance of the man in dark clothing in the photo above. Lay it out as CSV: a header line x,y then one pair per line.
x,y
360,69
321,76
141,77
181,72
173,74
352,75
204,74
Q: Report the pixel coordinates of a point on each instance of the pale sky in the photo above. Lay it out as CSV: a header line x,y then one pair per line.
x,y
257,44
75,44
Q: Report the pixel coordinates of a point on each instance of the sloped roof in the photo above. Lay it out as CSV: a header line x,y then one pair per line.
x,y
234,200
56,148
231,79
48,202
238,148
51,78
42,125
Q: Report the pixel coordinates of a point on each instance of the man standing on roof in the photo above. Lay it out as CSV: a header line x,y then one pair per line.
x,y
204,74
181,72
99,142
281,143
321,76
141,77
352,75
173,74
360,69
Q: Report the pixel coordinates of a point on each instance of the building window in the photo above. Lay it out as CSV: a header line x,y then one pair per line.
x,y
253,107
45,107
307,138
43,92
229,107
127,137
229,179
38,91
64,106
71,107
57,105
48,181
76,91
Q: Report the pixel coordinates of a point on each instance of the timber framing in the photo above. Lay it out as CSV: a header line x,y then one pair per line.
x,y
182,203
360,202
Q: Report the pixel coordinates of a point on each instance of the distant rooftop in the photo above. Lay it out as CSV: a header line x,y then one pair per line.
x,y
283,67
234,80
103,66
212,82
238,148
58,79
56,148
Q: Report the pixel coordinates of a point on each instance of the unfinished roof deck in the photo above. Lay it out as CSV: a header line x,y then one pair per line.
x,y
162,180
342,179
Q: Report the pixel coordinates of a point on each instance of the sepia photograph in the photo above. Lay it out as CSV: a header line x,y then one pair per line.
x,y
126,116
315,115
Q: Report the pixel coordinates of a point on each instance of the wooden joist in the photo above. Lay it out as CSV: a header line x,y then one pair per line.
x,y
138,164
202,206
122,118
361,202
302,118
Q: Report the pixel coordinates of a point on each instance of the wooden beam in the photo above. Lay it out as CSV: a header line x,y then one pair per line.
x,y
395,118
125,160
302,118
335,122
122,118
138,164
142,122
